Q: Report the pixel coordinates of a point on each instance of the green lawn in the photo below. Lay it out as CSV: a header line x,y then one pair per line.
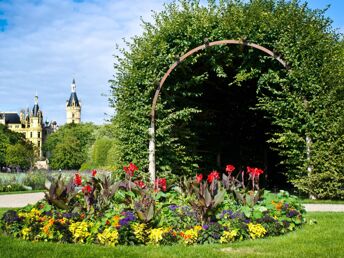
x,y
324,239
323,201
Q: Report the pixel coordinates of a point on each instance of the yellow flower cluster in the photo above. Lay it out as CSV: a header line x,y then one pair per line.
x,y
155,235
139,231
25,233
190,236
80,230
108,237
256,230
228,236
34,214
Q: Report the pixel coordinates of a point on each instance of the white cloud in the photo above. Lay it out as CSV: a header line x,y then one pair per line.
x,y
47,43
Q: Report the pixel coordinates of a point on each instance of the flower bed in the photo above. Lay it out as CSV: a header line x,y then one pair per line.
x,y
220,209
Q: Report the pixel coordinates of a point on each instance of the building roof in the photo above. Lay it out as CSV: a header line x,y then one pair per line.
x,y
11,118
35,110
73,98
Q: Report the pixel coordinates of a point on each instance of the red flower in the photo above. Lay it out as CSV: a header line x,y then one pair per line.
x,y
213,175
199,178
230,169
140,184
94,172
130,169
161,183
87,189
254,171
77,179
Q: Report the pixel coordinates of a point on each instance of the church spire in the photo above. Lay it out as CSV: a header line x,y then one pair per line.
x,y
73,86
36,98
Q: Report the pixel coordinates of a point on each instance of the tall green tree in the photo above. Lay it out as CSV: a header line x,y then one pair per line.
x,y
68,147
14,149
20,155
67,154
232,103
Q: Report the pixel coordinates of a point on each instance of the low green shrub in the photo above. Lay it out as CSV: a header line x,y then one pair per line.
x,y
35,180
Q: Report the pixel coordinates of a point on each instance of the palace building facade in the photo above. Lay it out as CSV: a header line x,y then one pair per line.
x,y
31,124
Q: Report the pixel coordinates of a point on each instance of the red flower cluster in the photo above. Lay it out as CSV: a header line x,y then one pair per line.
x,y
140,184
94,172
254,172
87,189
230,169
130,169
199,178
77,179
213,175
161,183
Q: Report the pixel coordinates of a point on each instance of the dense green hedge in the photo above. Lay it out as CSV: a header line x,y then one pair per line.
x,y
305,100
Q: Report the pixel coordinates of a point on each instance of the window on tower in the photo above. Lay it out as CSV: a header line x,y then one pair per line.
x,y
39,134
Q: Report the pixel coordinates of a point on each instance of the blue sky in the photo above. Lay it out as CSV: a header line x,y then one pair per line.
x,y
44,44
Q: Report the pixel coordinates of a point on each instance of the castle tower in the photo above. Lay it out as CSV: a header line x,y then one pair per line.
x,y
35,128
73,106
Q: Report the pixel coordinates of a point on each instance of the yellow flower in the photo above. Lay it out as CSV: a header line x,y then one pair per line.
x,y
139,231
256,230
190,236
198,228
155,235
228,236
80,230
108,237
25,233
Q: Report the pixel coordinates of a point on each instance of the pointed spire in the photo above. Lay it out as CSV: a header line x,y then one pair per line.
x,y
73,86
36,98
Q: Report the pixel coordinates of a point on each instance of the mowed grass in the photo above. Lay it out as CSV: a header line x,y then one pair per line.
x,y
324,239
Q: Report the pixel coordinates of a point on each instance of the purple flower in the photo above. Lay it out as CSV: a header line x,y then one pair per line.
x,y
173,207
205,226
216,236
247,221
292,213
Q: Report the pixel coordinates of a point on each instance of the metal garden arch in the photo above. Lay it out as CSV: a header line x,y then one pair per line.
x,y
182,58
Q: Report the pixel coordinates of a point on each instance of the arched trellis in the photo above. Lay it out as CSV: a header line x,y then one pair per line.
x,y
182,58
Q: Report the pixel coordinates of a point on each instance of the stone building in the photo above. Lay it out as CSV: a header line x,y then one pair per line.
x,y
73,106
29,123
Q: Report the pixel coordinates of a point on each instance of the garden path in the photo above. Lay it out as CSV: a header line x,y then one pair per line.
x,y
20,200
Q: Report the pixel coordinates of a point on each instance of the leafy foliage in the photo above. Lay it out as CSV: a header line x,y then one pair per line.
x,y
231,103
68,147
14,149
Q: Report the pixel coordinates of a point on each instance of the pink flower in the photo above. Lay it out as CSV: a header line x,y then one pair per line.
x,y
230,169
199,178
94,172
213,175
